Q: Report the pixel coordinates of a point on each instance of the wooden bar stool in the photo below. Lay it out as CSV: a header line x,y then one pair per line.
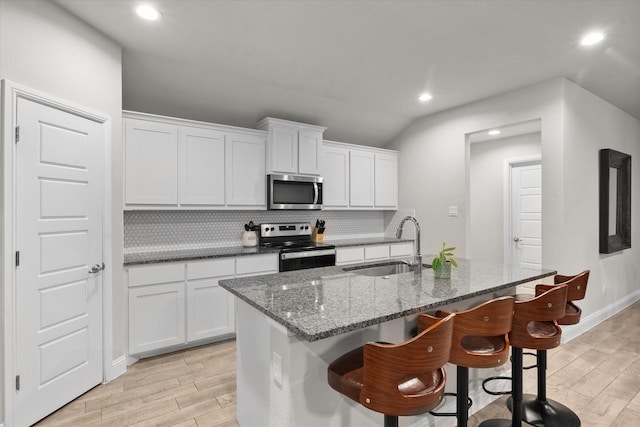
x,y
535,327
538,410
480,340
397,379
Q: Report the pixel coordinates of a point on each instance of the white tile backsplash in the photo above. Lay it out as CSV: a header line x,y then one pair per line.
x,y
165,230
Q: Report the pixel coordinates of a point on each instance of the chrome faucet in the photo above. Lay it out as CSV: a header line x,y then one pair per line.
x,y
417,259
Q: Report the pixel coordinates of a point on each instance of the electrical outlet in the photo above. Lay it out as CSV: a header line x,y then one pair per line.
x,y
276,368
453,211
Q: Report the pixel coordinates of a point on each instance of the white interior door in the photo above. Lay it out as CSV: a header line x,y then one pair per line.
x,y
526,215
59,169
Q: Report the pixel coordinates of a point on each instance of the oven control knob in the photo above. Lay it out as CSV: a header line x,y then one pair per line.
x,y
266,229
272,229
306,227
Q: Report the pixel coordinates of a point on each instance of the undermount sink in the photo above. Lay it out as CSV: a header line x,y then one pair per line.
x,y
383,269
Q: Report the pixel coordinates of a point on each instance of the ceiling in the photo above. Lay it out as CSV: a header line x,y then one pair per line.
x,y
357,67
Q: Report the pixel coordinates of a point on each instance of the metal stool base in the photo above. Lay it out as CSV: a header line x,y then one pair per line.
x,y
548,413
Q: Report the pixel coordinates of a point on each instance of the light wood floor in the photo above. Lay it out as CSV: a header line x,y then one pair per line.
x,y
597,375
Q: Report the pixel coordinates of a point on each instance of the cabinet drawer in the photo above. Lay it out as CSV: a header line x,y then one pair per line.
x,y
349,255
257,264
214,268
401,249
372,253
157,273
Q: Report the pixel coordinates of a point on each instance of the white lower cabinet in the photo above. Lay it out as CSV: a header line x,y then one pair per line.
x,y
178,303
376,252
156,317
210,309
368,253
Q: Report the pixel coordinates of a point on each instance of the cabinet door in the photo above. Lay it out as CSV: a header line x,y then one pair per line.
x,y
201,167
245,171
284,149
361,169
386,181
210,309
156,317
309,152
335,171
151,163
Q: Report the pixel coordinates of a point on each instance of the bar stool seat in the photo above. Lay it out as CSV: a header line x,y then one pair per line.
x,y
397,379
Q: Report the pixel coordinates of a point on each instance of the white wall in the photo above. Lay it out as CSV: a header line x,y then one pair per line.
x,y
486,187
44,47
590,125
575,124
433,172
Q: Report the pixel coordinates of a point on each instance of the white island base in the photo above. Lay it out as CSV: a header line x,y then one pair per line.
x,y
282,380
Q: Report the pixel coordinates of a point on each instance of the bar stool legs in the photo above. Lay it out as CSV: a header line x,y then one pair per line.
x,y
540,411
516,394
462,395
390,421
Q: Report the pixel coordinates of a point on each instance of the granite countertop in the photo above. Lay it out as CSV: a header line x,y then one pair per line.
x,y
151,256
323,302
365,242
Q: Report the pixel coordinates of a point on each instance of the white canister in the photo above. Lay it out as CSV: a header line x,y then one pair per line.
x,y
249,239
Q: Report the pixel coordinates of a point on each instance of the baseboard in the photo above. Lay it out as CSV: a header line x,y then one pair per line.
x,y
594,319
118,367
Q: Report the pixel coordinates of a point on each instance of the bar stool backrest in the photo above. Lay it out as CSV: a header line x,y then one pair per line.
x,y
577,289
480,337
387,367
534,321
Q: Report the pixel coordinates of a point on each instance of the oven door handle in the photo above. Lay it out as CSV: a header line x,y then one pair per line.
x,y
307,254
315,193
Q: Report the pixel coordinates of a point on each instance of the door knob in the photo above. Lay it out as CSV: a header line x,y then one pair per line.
x,y
97,268
516,239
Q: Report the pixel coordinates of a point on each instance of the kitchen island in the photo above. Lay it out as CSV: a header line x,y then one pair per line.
x,y
291,325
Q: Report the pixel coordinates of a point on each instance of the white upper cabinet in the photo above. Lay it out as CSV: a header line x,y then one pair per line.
x,y
292,147
386,181
151,171
361,166
202,168
359,177
246,180
335,171
180,164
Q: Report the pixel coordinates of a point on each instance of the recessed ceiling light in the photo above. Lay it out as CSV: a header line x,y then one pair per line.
x,y
147,12
494,132
592,38
425,97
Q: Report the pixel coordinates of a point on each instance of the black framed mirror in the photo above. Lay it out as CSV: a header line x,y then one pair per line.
x,y
615,201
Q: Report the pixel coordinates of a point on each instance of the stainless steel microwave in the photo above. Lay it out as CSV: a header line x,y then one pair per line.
x,y
294,192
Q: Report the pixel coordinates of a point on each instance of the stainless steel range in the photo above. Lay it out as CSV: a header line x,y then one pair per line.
x,y
297,250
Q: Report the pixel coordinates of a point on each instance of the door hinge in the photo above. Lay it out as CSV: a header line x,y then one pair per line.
x,y
17,134
17,258
17,382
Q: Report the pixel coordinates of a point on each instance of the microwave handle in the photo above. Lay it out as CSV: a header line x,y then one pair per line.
x,y
315,193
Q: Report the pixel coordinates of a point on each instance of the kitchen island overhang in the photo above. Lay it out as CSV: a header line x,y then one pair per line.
x,y
291,325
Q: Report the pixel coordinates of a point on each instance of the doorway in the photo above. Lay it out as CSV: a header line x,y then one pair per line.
x,y
489,187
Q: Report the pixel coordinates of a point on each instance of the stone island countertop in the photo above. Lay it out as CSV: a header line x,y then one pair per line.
x,y
324,302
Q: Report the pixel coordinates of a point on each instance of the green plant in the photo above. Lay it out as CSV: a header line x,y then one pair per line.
x,y
446,254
